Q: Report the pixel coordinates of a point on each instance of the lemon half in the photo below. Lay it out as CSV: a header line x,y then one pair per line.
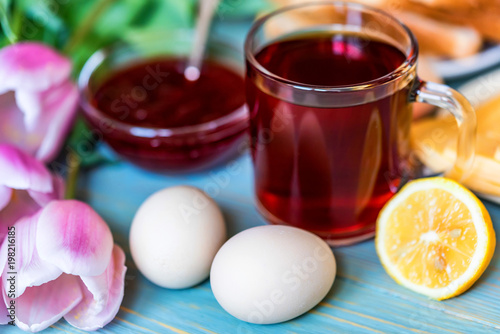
x,y
435,237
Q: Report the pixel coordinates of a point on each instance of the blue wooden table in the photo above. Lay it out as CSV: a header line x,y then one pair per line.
x,y
363,299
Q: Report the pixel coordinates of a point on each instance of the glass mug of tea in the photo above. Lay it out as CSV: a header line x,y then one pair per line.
x,y
330,88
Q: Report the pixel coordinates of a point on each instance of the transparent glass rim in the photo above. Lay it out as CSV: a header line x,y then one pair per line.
x,y
239,115
405,68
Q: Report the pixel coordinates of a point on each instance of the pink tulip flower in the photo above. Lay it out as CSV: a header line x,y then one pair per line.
x,y
67,266
26,185
38,101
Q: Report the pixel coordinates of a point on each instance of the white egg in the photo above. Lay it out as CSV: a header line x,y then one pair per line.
x,y
175,235
269,274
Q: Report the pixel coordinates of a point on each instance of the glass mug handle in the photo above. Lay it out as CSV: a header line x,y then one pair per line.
x,y
447,98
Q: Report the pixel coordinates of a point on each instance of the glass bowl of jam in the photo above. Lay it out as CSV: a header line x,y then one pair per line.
x,y
137,99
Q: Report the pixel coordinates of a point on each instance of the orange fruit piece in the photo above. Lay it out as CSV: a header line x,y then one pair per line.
x,y
435,237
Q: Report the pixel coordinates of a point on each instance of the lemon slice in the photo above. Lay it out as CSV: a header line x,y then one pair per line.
x,y
435,237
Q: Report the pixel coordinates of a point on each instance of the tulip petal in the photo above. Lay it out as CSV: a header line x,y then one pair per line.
x,y
31,66
74,237
5,196
31,105
62,102
46,138
44,198
21,171
102,295
31,270
12,127
20,205
38,99
41,306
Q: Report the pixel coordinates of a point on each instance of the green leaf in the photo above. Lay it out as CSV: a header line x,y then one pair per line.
x,y
98,23
5,21
160,17
172,14
118,17
5,4
41,21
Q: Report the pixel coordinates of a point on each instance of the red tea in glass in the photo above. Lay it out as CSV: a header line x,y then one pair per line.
x,y
330,116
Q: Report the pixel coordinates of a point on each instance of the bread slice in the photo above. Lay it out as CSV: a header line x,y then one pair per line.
x,y
487,22
485,19
442,38
450,4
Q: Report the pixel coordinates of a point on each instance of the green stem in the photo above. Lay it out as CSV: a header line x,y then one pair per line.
x,y
74,162
17,19
4,18
87,25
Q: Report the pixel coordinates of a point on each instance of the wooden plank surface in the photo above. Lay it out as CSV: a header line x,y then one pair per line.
x,y
363,299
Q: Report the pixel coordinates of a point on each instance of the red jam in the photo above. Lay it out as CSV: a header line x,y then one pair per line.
x,y
156,95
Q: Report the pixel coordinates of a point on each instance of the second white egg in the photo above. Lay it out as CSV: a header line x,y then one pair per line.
x,y
269,274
